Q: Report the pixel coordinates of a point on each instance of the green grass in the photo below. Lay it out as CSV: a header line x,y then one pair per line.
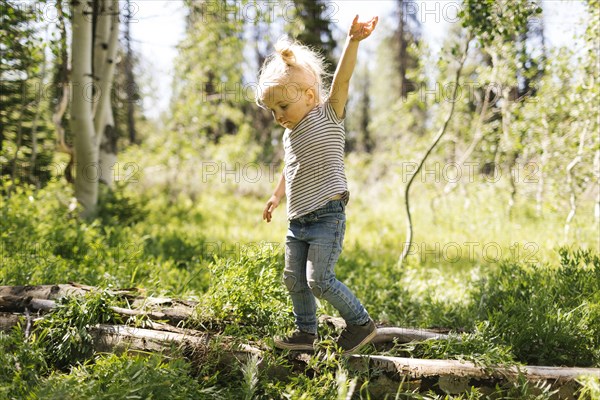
x,y
512,290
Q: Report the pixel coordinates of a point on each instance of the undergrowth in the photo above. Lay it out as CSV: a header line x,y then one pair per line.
x,y
509,311
65,333
548,314
246,296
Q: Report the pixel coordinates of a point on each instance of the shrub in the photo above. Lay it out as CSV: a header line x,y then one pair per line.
x,y
547,315
246,294
64,332
126,377
22,364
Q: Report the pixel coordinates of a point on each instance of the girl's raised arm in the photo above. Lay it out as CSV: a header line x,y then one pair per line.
x,y
341,79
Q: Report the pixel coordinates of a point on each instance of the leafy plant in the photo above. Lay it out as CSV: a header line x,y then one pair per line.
x,y
127,377
547,315
480,347
22,364
65,332
246,294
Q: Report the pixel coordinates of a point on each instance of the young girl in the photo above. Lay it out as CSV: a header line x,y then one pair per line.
x,y
314,180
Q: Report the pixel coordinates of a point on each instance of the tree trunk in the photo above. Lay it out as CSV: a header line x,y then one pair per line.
x,y
43,297
571,185
130,88
91,110
82,122
107,158
365,115
509,149
539,194
402,58
105,63
597,175
33,170
19,140
62,81
454,376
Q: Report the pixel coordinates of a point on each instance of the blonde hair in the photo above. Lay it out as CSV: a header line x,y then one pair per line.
x,y
292,63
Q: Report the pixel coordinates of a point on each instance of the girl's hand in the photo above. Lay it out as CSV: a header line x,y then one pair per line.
x,y
362,30
271,205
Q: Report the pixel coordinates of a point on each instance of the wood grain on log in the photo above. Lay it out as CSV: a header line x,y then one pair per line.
x,y
453,376
406,335
8,320
420,368
389,334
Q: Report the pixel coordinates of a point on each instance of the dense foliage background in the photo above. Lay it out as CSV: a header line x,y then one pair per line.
x,y
505,211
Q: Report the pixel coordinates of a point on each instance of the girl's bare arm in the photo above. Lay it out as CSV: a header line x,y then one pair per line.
x,y
341,79
275,199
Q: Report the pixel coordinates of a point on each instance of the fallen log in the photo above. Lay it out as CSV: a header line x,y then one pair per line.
x,y
55,292
390,334
120,338
405,335
43,297
19,304
384,334
451,376
48,292
8,320
386,374
454,376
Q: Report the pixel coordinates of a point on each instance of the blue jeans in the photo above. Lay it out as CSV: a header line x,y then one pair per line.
x,y
312,247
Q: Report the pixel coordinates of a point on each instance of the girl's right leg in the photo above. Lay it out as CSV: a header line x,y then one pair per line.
x,y
305,307
294,276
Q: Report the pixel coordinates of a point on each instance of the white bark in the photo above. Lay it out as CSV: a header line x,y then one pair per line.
x,y
91,112
597,174
386,373
34,145
570,184
107,158
61,107
506,115
454,376
101,40
82,124
385,334
104,119
539,195
60,110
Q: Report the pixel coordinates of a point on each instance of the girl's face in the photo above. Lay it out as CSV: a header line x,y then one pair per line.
x,y
289,104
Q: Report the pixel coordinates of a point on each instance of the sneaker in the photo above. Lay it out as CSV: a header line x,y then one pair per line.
x,y
355,336
296,341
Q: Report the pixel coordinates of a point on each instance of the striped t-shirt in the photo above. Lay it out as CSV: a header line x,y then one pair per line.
x,y
314,161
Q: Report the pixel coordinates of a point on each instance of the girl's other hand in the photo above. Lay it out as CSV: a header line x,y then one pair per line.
x,y
271,205
362,30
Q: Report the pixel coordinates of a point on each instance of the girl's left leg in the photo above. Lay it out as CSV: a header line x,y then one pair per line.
x,y
325,246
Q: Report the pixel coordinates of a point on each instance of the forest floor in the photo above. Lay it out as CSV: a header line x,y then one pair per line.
x,y
510,289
